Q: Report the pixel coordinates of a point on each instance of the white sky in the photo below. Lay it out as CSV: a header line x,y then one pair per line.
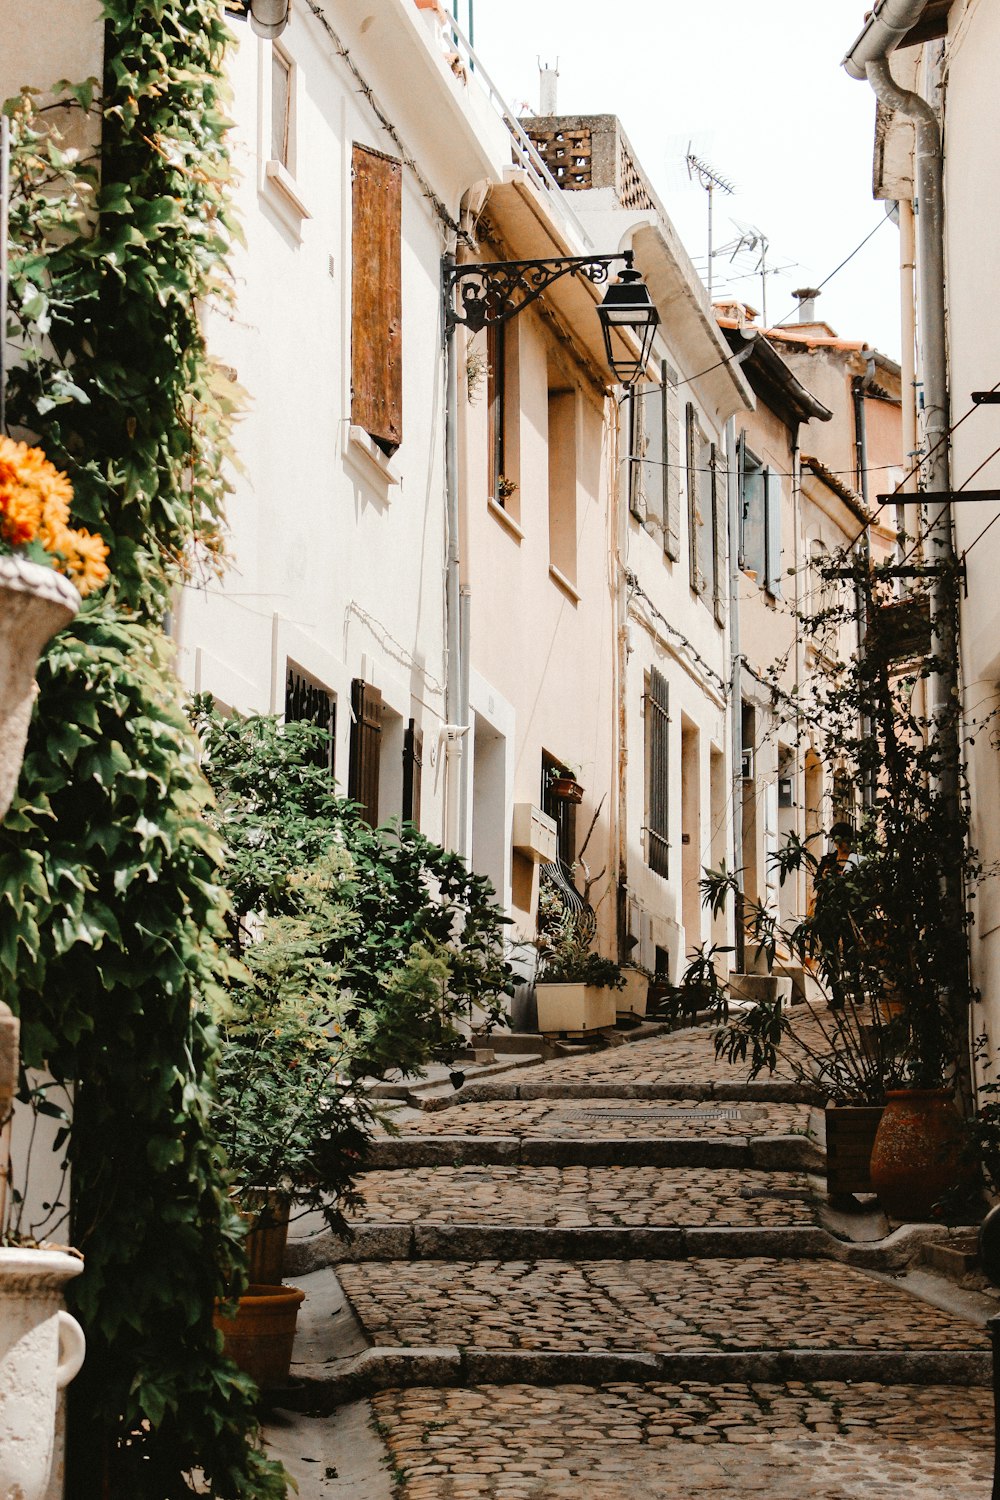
x,y
757,86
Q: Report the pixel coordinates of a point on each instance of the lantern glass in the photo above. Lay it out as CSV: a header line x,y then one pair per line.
x,y
628,305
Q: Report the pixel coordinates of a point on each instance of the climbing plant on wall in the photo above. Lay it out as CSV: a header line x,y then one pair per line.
x,y
109,898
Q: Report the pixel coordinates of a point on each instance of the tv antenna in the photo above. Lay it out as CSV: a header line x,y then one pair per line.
x,y
711,181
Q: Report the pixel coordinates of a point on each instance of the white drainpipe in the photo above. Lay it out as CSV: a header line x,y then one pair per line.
x,y
869,58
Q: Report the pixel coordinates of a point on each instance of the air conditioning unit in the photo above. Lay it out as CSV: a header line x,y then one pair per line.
x,y
747,765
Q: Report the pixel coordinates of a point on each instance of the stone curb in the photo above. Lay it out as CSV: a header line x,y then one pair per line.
x,y
498,1089
319,1389
531,1242
762,1153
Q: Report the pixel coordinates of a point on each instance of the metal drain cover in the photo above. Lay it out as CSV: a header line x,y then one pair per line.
x,y
652,1114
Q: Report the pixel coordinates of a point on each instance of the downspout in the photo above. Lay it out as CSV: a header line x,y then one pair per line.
x,y
736,684
454,834
860,384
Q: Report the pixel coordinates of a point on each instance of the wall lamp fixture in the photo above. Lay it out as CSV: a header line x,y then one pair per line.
x,y
492,292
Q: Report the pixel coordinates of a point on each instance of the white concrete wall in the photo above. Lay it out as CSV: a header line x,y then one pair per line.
x,y
336,554
972,183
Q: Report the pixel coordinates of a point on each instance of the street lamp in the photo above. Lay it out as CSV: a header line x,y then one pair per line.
x,y
491,292
477,296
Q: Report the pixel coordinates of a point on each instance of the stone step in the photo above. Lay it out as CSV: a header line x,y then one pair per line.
x,y
821,1439
717,1305
777,1153
490,1091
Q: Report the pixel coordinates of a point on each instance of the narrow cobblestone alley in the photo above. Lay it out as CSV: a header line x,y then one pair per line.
x,y
617,1274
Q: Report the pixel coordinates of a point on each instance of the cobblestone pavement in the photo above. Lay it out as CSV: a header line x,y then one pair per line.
x,y
676,1057
561,1119
565,1197
825,1441
676,1306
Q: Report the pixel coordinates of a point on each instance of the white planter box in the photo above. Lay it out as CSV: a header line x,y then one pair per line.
x,y
575,1007
631,1000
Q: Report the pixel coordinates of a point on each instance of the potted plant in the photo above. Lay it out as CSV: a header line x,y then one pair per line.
x,y
564,783
885,934
634,999
575,989
46,567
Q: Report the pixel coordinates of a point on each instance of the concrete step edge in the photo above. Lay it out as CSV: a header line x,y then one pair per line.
x,y
321,1388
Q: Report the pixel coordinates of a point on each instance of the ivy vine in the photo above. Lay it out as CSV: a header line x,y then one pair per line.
x,y
111,910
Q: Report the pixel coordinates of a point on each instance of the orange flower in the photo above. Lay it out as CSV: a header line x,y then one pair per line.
x,y
35,500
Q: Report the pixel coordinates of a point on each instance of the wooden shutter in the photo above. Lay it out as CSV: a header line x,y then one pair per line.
x,y
366,748
672,480
413,750
657,773
692,487
719,511
772,502
636,452
376,297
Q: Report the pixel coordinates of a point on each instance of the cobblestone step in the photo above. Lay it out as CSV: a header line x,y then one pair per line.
x,y
615,1113
764,1154
778,1090
827,1440
724,1304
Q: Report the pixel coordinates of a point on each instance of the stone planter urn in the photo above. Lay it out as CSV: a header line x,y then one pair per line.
x,y
41,1349
35,602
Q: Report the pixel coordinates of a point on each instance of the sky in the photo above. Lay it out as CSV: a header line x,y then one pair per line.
x,y
757,88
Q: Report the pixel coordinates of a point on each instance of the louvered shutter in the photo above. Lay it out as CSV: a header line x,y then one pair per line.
x,y
366,748
691,426
413,749
636,452
657,773
376,297
718,541
672,481
772,501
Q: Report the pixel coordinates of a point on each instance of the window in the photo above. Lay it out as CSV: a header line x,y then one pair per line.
x,y
564,813
366,748
704,520
760,520
282,96
413,752
657,773
562,438
376,298
502,413
307,702
654,481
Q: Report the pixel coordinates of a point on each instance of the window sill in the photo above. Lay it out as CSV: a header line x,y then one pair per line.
x,y
366,457
507,521
563,582
281,189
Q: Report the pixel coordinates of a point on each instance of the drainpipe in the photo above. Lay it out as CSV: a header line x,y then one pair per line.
x,y
736,681
453,737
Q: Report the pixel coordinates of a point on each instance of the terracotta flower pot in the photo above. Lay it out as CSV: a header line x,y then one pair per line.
x,y
35,602
566,788
260,1337
917,1152
41,1349
266,1212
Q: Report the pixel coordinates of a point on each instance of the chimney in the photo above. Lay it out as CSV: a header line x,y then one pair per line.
x,y
548,78
807,303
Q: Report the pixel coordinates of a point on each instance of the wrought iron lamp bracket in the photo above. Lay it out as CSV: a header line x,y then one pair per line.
x,y
494,291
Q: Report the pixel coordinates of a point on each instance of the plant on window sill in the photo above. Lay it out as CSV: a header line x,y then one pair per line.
x,y
506,487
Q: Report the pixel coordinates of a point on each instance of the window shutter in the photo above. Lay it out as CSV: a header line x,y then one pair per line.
x,y
773,550
636,452
741,462
657,773
366,746
413,750
305,700
376,297
672,480
718,542
706,500
692,487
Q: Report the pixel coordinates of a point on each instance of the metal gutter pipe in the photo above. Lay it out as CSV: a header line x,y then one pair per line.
x,y
454,831
885,29
735,681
